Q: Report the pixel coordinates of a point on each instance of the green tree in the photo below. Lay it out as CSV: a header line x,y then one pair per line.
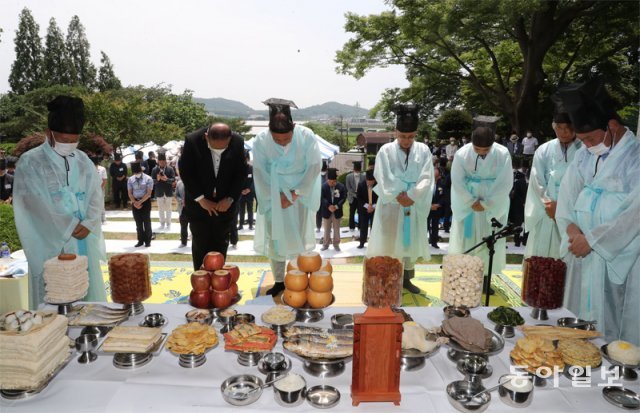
x,y
78,49
495,56
329,133
237,125
454,122
26,70
58,68
107,78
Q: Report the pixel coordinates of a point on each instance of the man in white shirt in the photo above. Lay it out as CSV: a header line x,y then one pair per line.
x,y
451,148
102,173
529,145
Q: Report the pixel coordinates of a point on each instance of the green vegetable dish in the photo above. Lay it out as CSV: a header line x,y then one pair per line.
x,y
506,316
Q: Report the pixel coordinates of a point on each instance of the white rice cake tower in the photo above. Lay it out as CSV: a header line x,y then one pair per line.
x,y
26,359
66,278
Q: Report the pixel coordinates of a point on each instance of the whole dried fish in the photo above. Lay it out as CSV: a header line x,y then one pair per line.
x,y
310,349
317,331
323,339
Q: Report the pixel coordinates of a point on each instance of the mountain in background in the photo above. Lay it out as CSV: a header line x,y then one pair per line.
x,y
233,108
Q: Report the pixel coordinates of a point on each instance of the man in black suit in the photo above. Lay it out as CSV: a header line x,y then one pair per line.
x,y
118,172
437,206
213,170
248,194
332,198
367,200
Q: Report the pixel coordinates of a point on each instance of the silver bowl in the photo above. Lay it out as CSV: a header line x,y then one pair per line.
x,y
204,316
459,394
274,361
572,321
289,398
342,321
517,390
154,320
243,319
456,311
234,389
323,396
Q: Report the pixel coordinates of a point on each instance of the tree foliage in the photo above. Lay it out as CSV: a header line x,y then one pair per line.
x,y
501,57
78,49
57,66
454,123
107,78
330,134
237,125
26,70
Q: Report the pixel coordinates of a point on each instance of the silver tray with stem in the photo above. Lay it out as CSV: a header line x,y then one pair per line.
x,y
307,314
456,351
131,360
627,371
412,359
19,394
191,361
324,367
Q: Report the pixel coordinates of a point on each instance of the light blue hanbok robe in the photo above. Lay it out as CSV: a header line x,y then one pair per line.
x,y
283,233
397,231
550,162
604,285
48,204
488,180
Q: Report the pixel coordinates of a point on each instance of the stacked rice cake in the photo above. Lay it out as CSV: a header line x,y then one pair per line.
x,y
27,359
66,278
131,339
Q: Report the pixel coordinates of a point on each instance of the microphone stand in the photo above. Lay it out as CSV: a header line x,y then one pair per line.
x,y
491,242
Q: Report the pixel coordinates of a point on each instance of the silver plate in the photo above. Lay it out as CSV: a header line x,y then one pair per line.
x,y
16,394
154,350
323,396
620,397
496,346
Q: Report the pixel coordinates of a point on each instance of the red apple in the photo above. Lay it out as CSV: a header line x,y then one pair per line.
x,y
220,280
213,261
221,299
199,299
200,280
234,289
234,271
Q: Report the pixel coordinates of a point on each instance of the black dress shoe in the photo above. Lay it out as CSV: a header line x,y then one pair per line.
x,y
435,246
250,228
360,246
276,289
139,244
407,285
147,245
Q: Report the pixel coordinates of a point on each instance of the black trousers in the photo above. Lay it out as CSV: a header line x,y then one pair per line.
x,y
142,217
318,219
447,216
365,220
246,203
184,228
433,222
353,207
119,192
210,234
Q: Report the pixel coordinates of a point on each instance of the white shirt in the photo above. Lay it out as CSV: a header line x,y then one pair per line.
x,y
102,172
216,155
529,145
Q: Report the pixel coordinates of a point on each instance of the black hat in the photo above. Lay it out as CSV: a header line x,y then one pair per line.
x,y
588,104
136,167
484,130
325,165
561,117
162,157
3,164
66,115
332,173
11,162
277,106
407,117
357,165
117,156
369,175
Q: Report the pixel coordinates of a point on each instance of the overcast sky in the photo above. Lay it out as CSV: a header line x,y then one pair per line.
x,y
246,50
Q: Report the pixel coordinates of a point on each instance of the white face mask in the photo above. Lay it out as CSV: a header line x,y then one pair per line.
x,y
599,149
63,149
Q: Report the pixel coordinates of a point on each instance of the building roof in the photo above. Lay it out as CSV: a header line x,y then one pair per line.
x,y
367,138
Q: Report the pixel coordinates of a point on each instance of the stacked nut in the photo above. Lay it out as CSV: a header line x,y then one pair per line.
x,y
382,282
129,278
462,277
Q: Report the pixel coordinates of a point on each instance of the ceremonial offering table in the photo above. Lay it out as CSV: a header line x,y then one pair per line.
x,y
163,386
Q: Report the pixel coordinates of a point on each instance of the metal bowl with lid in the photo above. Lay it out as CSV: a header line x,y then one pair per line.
x,y
342,321
323,396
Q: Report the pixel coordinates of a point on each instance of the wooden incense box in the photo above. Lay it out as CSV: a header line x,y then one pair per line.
x,y
377,342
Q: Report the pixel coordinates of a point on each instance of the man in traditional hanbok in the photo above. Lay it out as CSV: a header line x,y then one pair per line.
x,y
550,162
404,172
481,179
286,168
58,201
598,214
